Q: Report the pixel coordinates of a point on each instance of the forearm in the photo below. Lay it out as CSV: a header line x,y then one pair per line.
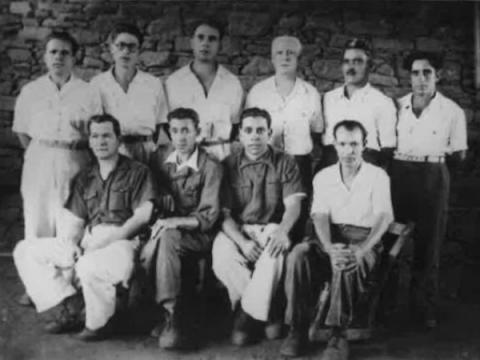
x,y
380,226
186,222
24,139
292,212
232,230
321,223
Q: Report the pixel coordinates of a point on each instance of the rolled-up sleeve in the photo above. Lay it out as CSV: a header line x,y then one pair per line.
x,y
381,197
143,188
458,133
320,200
21,118
386,119
316,122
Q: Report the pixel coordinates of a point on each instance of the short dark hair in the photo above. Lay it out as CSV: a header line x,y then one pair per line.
x,y
184,114
65,37
209,21
350,125
435,59
255,112
126,28
104,118
359,44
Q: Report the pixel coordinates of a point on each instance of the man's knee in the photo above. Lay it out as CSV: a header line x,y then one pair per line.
x,y
169,241
222,252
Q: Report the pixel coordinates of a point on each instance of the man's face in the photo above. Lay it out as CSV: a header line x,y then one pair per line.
x,y
59,57
254,136
285,57
205,43
349,145
355,67
103,140
183,133
125,50
424,78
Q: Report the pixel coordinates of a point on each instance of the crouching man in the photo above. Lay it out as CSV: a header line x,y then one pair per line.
x,y
351,211
264,203
193,179
109,203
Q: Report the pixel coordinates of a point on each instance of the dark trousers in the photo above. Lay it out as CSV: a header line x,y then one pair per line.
x,y
329,157
304,163
420,192
308,268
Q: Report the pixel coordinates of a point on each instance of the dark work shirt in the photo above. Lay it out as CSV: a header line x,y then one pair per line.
x,y
110,201
254,190
196,192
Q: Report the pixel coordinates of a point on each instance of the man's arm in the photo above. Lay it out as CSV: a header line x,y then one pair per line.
x,y
249,247
379,227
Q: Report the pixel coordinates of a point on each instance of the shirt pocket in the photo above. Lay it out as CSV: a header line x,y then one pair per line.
x,y
119,200
273,191
92,202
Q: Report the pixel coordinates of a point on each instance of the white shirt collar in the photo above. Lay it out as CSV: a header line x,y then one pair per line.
x,y
361,93
192,161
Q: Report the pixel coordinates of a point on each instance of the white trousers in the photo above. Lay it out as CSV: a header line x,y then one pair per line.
x,y
45,185
47,269
254,288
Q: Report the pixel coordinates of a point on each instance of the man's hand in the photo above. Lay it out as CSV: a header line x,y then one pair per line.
x,y
163,224
340,256
251,250
278,242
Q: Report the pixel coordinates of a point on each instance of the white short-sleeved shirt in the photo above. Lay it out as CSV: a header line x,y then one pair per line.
x,y
368,196
140,109
294,118
369,106
44,112
217,111
441,128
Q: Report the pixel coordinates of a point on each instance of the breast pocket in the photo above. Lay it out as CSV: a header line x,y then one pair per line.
x,y
92,202
191,192
119,201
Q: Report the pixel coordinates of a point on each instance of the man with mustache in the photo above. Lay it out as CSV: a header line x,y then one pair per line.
x,y
263,201
351,210
193,178
109,204
431,129
50,119
134,97
358,100
209,88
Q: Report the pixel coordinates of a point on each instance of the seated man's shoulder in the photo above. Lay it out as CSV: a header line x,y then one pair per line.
x,y
326,174
375,171
207,162
133,166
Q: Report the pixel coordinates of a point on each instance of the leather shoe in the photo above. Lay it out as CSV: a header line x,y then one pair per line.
x,y
171,336
295,343
273,330
242,333
66,316
337,349
92,335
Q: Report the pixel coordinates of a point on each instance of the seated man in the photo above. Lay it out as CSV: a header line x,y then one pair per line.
x,y
351,211
108,205
263,206
193,179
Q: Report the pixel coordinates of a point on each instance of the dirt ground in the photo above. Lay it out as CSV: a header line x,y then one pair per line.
x,y
21,337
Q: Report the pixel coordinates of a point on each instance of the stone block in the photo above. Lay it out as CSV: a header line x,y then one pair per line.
x,y
20,7
104,23
6,87
258,65
322,22
339,40
451,71
291,22
19,55
230,46
327,69
154,58
166,27
92,62
258,49
30,21
391,44
370,28
182,43
87,73
250,24
34,33
429,44
87,37
385,69
9,19
383,80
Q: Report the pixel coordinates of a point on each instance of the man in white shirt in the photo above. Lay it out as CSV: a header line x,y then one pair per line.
x,y
358,100
134,97
208,88
431,129
351,211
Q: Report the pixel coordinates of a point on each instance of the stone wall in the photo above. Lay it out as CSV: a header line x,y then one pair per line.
x,y
393,28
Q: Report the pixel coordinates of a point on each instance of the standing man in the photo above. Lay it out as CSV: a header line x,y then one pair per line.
x,y
50,119
193,178
358,100
351,211
264,202
109,204
431,128
134,97
209,88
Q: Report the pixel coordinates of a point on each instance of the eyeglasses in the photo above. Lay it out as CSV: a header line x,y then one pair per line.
x,y
131,47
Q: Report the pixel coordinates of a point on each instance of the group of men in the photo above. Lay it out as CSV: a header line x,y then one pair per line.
x,y
207,175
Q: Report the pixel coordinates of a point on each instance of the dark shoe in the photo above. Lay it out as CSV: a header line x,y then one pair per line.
x,y
337,349
274,330
171,336
295,343
430,320
25,300
93,335
67,316
242,333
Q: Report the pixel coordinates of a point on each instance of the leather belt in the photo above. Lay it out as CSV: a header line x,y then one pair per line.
x,y
131,139
414,158
61,144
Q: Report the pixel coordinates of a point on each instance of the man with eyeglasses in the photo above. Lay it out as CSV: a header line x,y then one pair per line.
x,y
134,97
209,88
263,194
358,100
431,129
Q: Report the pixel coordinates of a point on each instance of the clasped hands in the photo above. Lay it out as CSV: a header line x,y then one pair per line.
x,y
344,257
277,243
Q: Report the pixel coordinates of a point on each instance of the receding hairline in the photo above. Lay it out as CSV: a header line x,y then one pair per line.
x,y
287,39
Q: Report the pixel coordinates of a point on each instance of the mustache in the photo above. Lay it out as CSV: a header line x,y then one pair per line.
x,y
351,72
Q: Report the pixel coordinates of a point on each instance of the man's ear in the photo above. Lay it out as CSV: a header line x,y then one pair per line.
x,y
270,133
438,75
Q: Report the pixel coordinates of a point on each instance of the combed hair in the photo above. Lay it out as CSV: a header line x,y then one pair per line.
x,y
211,22
293,39
104,118
350,125
126,28
435,59
184,114
63,36
256,112
359,44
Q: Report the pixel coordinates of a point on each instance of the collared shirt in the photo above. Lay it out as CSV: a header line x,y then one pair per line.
x,y
368,196
256,190
192,161
140,109
372,108
218,110
440,129
44,112
110,201
294,117
195,187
